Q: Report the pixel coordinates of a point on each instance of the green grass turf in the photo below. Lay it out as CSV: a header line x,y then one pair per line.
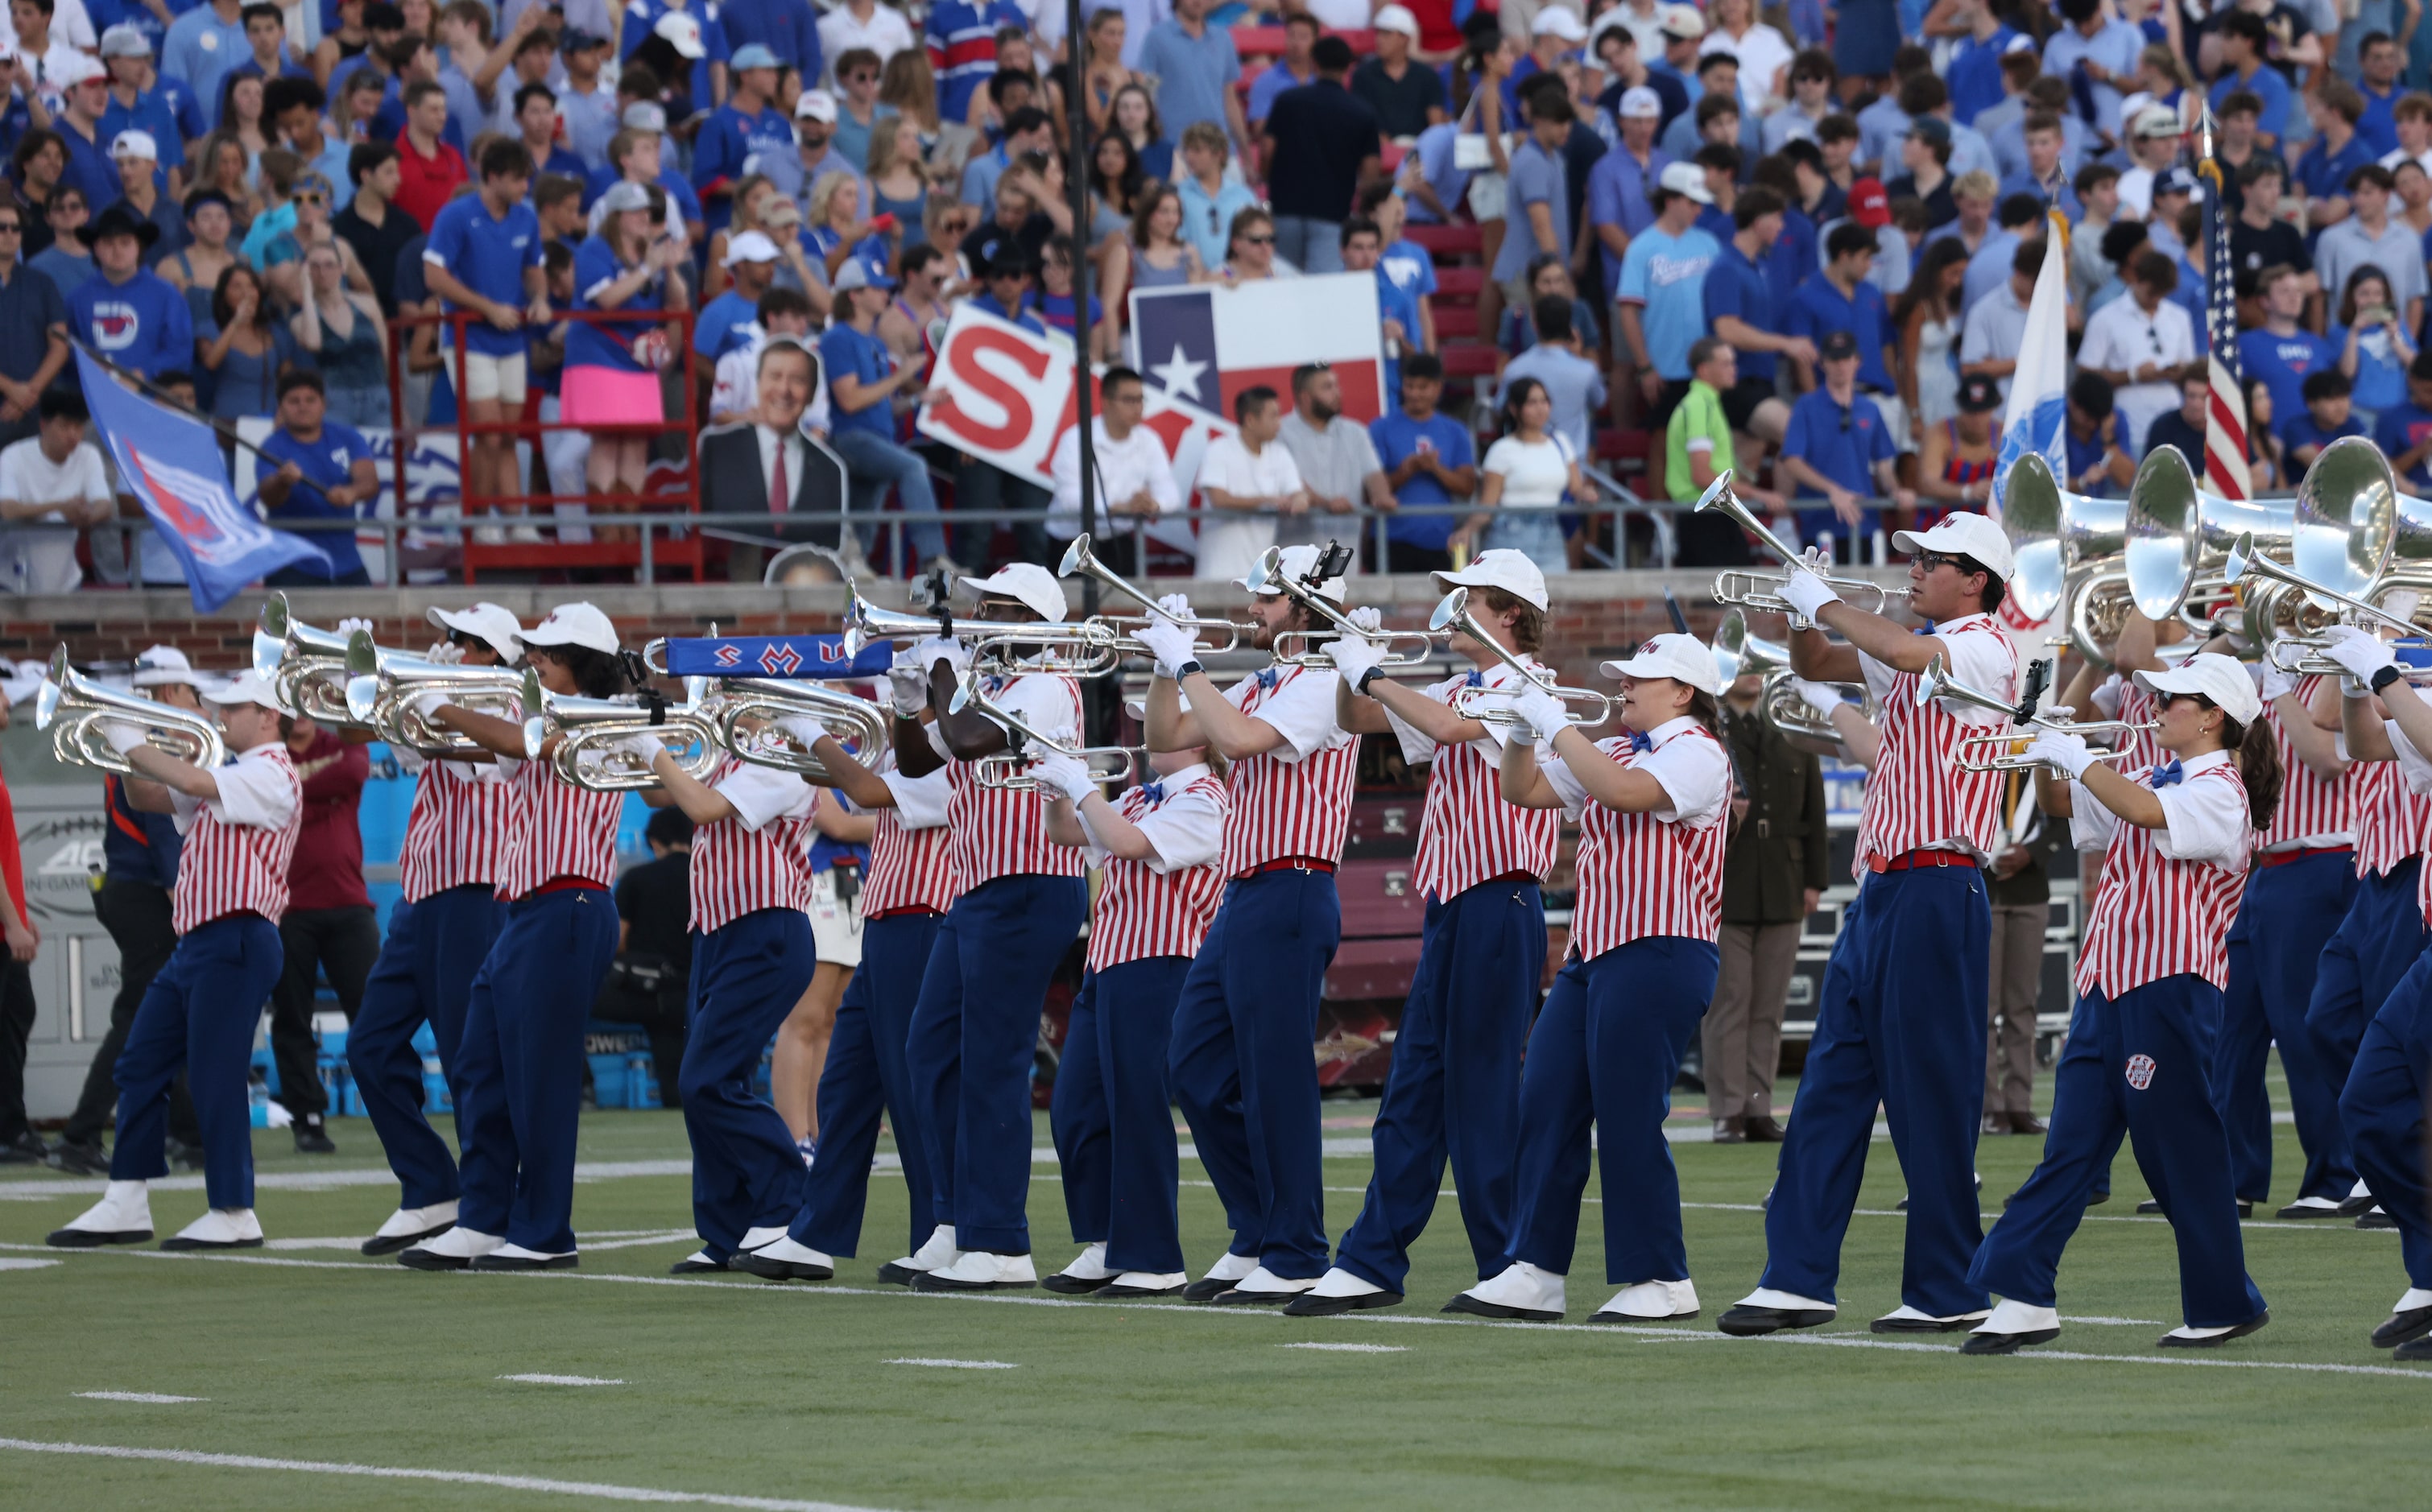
x,y
741,1388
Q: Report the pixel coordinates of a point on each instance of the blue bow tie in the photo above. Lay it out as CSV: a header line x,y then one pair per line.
x,y
1474,679
1269,677
1155,792
1640,744
2162,777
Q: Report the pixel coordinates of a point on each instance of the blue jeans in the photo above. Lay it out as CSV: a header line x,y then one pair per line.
x,y
1310,244
1536,535
874,463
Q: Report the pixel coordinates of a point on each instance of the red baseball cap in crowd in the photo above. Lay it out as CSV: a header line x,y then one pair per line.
x,y
1868,205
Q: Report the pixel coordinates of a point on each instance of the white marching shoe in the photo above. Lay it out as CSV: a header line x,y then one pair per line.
x,y
935,1254
1649,1302
1520,1290
782,1259
1132,1283
1228,1268
979,1270
1086,1274
410,1226
1261,1286
452,1250
123,1215
1907,1319
2010,1327
221,1228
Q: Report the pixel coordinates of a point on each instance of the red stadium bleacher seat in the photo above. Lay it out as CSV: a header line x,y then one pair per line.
x,y
1447,241
1456,321
1456,284
1469,362
1613,445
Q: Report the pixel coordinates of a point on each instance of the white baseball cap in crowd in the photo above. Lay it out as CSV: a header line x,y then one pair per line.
x,y
1638,100
1687,178
624,194
122,40
683,33
137,144
2157,121
157,665
643,115
1682,657
76,68
816,105
1298,563
750,246
1559,21
492,624
1395,18
1684,22
1025,582
248,687
575,624
1964,534
2221,678
1504,568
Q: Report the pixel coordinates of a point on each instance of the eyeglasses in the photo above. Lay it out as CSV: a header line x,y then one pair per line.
x,y
1268,239
310,199
12,228
1928,561
860,77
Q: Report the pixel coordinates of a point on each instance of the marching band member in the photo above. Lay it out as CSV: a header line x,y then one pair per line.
x,y
1243,1072
753,957
439,933
240,823
1901,1018
2150,970
519,1065
1112,1114
976,1030
1454,1087
909,888
2382,1107
1654,804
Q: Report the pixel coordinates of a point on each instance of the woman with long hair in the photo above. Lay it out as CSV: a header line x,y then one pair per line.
x,y
1103,72
908,84
221,162
241,118
1158,256
1134,113
2152,966
2266,459
898,185
344,332
1522,485
1928,318
2372,342
838,228
243,349
41,158
1116,179
636,262
1250,249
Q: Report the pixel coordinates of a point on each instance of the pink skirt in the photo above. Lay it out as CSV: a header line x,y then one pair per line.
x,y
595,396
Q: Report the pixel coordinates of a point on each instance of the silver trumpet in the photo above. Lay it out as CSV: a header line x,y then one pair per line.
x,y
387,690
1738,649
2007,747
1495,706
591,734
305,666
1079,560
1011,769
2288,638
1269,576
1743,589
73,707
747,716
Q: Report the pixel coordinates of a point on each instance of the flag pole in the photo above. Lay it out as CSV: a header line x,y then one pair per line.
x,y
158,395
1097,715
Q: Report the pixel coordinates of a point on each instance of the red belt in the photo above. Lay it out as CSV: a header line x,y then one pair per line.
x,y
1912,860
900,913
2282,858
1286,863
567,884
1524,875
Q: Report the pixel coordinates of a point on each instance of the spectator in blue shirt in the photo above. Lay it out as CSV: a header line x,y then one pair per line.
x,y
2327,416
2280,354
2245,58
1195,66
1619,205
1973,70
788,28
2322,174
202,64
2098,466
484,257
125,312
1837,449
1746,307
325,473
752,264
1842,298
133,108
864,385
2405,434
748,123
1294,69
1537,214
2376,83
2096,51
1397,309
1660,289
1429,458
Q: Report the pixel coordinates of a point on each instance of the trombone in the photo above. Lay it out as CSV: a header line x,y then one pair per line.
x,y
1010,769
2006,756
386,692
1495,706
765,704
1080,560
74,708
306,666
1269,576
1741,588
592,732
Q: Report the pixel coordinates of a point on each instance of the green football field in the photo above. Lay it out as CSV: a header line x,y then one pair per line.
x,y
304,1375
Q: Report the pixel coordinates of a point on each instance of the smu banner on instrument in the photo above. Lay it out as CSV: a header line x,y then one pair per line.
x,y
774,656
1204,343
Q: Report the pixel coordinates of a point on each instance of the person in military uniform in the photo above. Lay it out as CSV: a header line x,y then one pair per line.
x,y
2021,898
1772,875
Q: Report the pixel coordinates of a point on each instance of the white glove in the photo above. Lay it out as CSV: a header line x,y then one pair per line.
x,y
1354,658
2070,753
123,736
1543,711
802,727
1067,775
937,649
1170,644
1176,606
1823,698
2360,652
1368,617
907,679
645,746
446,653
2277,684
1807,592
348,626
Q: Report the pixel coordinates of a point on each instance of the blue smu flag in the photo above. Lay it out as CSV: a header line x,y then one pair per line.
x,y
775,656
2039,389
171,462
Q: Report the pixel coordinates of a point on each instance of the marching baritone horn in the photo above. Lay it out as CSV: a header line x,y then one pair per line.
x,y
388,692
1737,650
1009,769
1495,706
1739,588
2178,537
748,716
306,666
591,733
73,709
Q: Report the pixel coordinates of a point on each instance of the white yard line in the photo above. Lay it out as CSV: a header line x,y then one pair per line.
x,y
597,1490
152,1397
563,1380
15,1263
1351,1348
957,1365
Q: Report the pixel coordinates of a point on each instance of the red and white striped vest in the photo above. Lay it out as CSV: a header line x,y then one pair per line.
x,y
2310,809
2393,822
911,870
238,868
2155,917
1916,796
1468,833
1288,809
737,871
453,834
556,829
1003,831
1641,875
1142,913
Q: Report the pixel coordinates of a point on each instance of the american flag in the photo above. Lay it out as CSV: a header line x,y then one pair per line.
x,y
2224,460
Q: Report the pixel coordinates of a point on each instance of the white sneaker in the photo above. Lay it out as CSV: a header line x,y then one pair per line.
x,y
452,1250
1520,1290
525,535
1087,1273
2011,1326
123,1215
1146,1284
937,1253
979,1270
782,1259
489,535
410,1226
1649,1301
219,1228
1264,1286
1907,1319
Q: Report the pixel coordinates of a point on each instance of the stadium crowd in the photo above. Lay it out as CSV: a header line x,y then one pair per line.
x,y
1797,241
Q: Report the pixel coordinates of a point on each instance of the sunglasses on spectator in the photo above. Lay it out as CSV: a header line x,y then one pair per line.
x,y
310,199
12,228
1268,239
859,76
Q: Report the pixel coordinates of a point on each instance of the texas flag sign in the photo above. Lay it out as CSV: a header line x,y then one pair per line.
x,y
1204,343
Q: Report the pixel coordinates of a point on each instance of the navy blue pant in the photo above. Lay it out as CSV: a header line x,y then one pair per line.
x,y
2139,1065
2290,914
973,1037
199,1014
425,974
1242,1066
1113,1114
519,1066
1453,1088
1901,1022
865,1076
1605,1051
747,975
2383,1111
2367,956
